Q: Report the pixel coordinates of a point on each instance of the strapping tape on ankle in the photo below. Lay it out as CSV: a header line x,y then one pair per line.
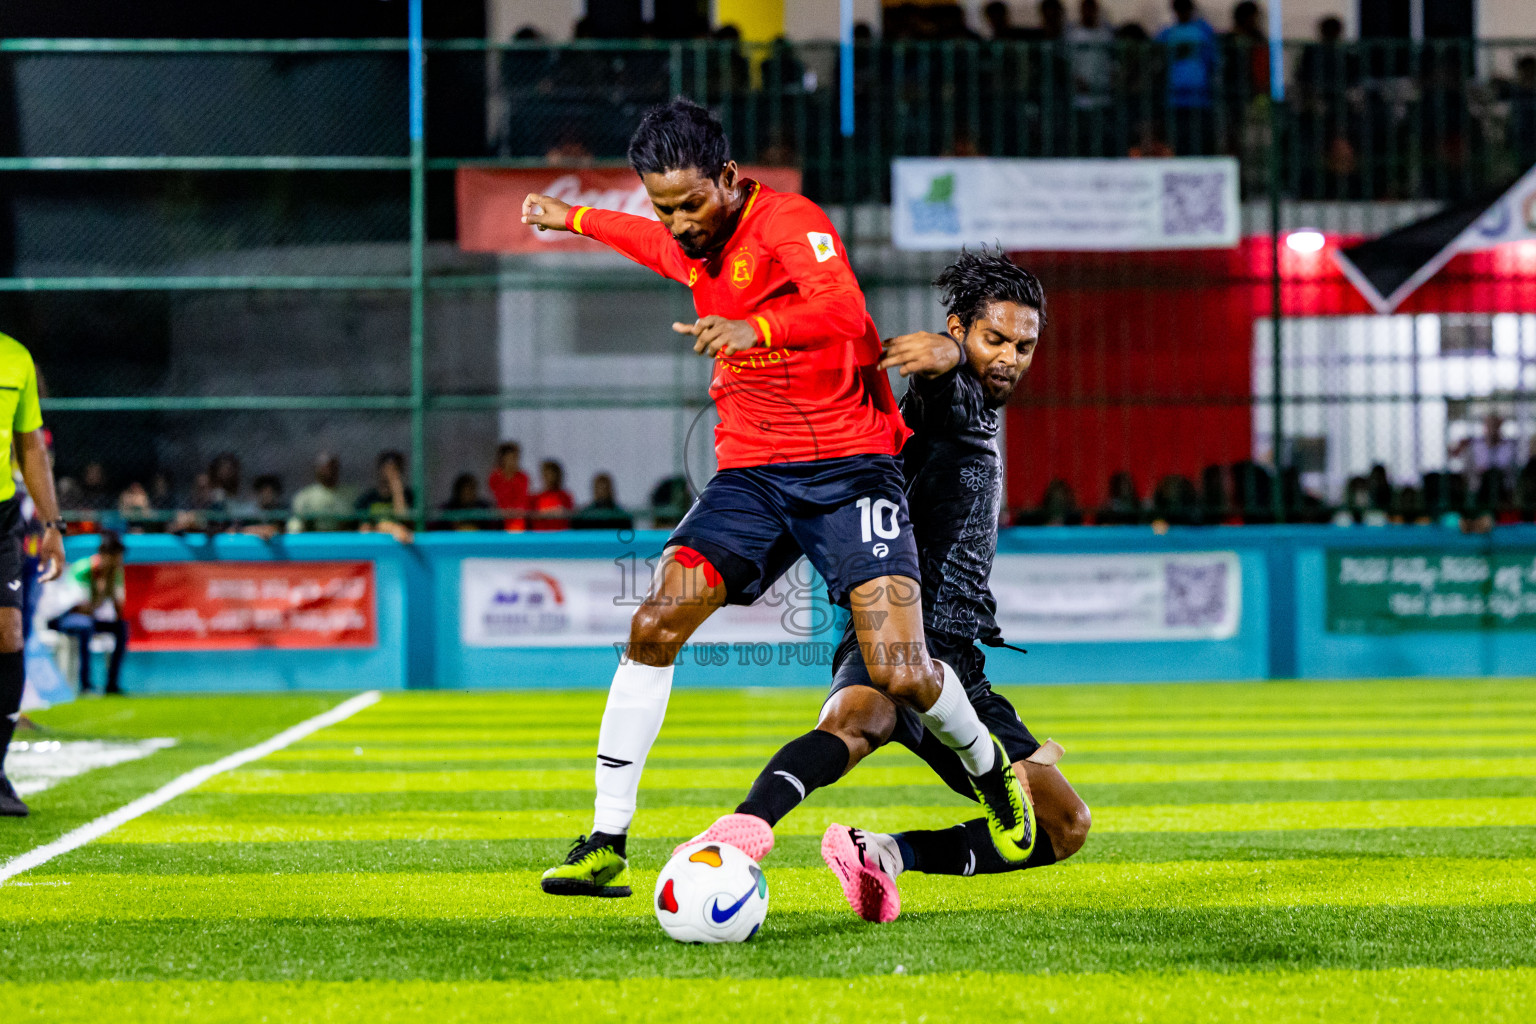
x,y
1049,753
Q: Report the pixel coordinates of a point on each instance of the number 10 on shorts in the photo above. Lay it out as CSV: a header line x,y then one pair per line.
x,y
877,518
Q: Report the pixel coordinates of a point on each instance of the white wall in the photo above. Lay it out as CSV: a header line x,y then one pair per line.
x,y
1369,359
539,350
1506,19
554,18
817,19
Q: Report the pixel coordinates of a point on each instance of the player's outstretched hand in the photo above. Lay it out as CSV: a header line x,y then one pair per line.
x,y
713,335
544,212
924,353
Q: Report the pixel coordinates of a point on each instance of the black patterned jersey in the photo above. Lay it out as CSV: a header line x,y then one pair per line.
x,y
954,495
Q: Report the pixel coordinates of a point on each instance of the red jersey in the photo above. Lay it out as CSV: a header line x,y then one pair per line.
x,y
552,501
510,492
810,389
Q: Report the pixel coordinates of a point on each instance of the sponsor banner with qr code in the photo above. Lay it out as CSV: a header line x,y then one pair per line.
x,y
1420,589
1095,598
1109,205
211,606
587,602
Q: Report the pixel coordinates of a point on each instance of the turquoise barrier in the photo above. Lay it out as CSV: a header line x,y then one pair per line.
x,y
1315,602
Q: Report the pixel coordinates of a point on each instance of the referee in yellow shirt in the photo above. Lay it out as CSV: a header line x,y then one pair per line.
x,y
21,420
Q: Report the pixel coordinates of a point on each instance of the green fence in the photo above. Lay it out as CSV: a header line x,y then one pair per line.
x,y
1382,120
234,246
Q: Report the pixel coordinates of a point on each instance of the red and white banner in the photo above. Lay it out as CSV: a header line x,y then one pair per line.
x,y
208,606
490,202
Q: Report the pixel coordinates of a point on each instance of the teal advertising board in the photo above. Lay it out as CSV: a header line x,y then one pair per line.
x,y
1413,590
1247,602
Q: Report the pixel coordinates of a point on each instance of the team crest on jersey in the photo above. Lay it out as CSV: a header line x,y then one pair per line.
x,y
693,276
821,245
743,266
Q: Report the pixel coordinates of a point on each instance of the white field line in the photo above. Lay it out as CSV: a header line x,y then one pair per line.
x,y
177,786
39,765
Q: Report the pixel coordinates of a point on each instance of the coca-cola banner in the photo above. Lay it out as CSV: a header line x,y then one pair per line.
x,y
490,202
212,606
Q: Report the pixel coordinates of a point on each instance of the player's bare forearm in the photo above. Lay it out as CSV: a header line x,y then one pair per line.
x,y
545,212
37,473
924,353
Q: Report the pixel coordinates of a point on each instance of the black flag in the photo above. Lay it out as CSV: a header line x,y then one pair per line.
x,y
1390,268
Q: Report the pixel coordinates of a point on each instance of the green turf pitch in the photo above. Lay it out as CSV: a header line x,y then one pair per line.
x,y
1279,852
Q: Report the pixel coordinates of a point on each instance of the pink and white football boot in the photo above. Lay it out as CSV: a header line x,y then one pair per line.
x,y
866,869
747,832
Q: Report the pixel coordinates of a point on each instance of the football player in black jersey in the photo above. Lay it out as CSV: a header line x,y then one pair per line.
x,y
959,382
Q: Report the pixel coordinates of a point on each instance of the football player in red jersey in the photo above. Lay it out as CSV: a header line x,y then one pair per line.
x,y
808,435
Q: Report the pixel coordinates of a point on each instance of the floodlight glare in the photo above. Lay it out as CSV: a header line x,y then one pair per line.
x,y
1305,241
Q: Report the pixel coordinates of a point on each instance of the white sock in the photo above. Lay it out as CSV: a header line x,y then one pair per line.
x,y
637,703
886,852
954,722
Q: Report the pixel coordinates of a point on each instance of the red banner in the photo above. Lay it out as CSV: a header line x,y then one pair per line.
x,y
209,606
491,202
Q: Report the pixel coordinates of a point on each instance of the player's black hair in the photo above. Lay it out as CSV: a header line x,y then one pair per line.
x,y
676,136
987,275
111,543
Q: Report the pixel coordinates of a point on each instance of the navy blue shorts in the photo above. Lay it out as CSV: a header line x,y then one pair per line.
x,y
995,711
847,516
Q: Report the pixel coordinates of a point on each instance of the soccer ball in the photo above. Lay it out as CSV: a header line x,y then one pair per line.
x,y
711,892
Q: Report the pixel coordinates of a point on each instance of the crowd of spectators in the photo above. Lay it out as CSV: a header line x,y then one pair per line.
x,y
1493,488
505,498
1214,86
1370,121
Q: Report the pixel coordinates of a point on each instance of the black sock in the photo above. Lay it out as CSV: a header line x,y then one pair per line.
x,y
966,850
1043,855
615,840
12,678
814,760
946,763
